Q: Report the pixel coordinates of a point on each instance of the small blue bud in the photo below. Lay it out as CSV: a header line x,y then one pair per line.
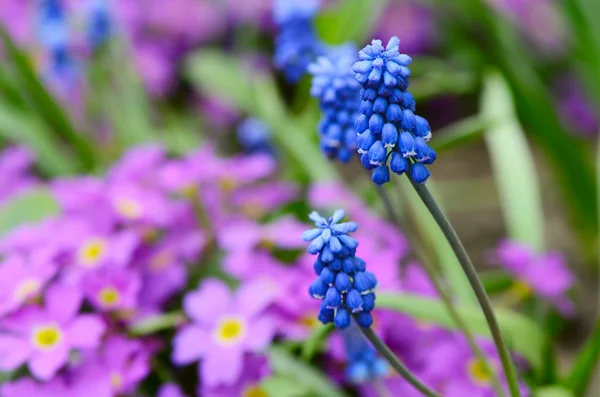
x,y
359,264
370,94
362,282
342,282
326,234
348,241
311,234
364,160
345,228
389,80
342,319
361,124
378,63
381,175
422,128
393,68
318,289
431,157
327,276
402,59
369,302
408,120
396,96
366,108
377,153
348,265
372,280
421,149
376,123
318,266
336,265
407,144
361,78
380,105
404,72
358,372
384,90
316,245
408,102
389,135
398,164
344,155
380,368
326,315
354,301
334,245
333,299
393,113
326,256
374,77
364,319
362,67
364,141
419,173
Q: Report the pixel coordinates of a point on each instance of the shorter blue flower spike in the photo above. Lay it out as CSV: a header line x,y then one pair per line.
x,y
363,363
342,284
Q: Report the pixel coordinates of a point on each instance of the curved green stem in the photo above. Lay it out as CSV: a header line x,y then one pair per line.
x,y
471,273
395,362
446,299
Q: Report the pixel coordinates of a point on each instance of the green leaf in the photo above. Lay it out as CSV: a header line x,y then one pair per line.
x,y
349,20
284,386
28,207
255,93
513,165
18,127
460,133
585,364
315,341
154,324
521,334
436,241
43,102
285,364
554,391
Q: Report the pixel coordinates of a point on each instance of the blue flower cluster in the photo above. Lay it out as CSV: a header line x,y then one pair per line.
x,y
255,136
297,44
363,362
338,92
389,131
343,284
99,22
54,36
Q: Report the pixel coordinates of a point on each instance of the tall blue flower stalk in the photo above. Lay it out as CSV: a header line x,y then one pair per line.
x,y
338,92
390,136
54,36
343,285
297,43
98,22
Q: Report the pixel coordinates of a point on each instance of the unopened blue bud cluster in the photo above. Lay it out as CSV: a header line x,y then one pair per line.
x,y
54,36
363,362
389,131
343,284
297,43
255,137
338,92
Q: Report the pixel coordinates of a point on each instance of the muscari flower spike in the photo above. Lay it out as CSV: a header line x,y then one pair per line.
x,y
343,285
390,135
297,43
338,92
363,362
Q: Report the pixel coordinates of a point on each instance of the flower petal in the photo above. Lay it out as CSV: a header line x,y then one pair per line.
x,y
190,343
254,296
85,331
63,302
222,366
210,300
14,352
260,333
44,365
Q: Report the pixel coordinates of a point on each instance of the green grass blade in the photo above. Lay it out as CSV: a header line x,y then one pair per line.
x,y
28,207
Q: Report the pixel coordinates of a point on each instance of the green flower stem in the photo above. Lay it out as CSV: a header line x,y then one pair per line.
x,y
471,273
446,299
395,362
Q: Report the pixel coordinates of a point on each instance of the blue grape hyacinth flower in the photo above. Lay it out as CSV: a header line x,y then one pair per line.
x,y
99,22
255,136
363,362
390,135
297,43
338,92
343,285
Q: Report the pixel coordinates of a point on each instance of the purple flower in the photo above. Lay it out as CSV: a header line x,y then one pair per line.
x,y
170,390
23,279
224,327
546,275
410,20
577,111
258,201
27,387
43,338
256,368
15,173
112,289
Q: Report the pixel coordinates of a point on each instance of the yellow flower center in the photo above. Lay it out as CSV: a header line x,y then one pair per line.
x,y
47,337
109,296
309,320
253,210
230,331
128,208
27,289
92,252
189,192
116,380
478,373
228,184
254,391
161,261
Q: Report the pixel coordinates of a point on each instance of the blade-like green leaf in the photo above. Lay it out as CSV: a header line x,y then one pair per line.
x,y
284,386
554,391
285,364
349,20
28,207
585,365
521,334
513,165
44,104
460,132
